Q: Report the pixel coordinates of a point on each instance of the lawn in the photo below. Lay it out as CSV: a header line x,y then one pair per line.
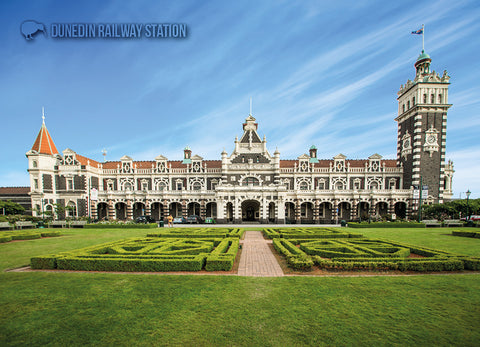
x,y
127,309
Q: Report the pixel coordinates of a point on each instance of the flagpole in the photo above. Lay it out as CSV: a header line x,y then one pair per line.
x,y
423,37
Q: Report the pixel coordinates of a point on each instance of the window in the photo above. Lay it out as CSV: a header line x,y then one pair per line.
x,y
432,98
424,98
34,163
179,185
413,103
392,183
356,184
439,98
127,186
69,183
251,181
403,107
321,185
339,186
144,185
162,186
196,186
408,105
110,186
214,184
303,185
35,183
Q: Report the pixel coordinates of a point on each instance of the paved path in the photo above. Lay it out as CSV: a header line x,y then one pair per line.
x,y
257,259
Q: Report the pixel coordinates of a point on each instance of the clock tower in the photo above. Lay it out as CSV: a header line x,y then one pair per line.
x,y
422,125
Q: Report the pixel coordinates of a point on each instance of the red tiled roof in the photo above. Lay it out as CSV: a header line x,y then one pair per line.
x,y
14,190
84,160
214,164
44,143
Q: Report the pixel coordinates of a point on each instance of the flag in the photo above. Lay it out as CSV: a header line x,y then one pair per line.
x,y
418,32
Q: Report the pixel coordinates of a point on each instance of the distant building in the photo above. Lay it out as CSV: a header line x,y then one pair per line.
x,y
250,184
19,195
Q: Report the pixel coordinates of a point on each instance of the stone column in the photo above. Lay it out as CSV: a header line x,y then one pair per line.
x,y
280,211
129,209
353,210
203,209
111,210
334,211
184,209
298,212
93,209
316,211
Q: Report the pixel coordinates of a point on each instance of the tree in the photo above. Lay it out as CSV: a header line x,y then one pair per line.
x,y
9,207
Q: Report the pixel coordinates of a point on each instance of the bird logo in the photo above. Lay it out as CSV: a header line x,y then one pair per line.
x,y
30,28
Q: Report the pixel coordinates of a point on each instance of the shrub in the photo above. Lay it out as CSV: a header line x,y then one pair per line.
x,y
386,225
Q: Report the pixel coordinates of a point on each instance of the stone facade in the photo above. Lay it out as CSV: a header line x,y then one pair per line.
x,y
252,185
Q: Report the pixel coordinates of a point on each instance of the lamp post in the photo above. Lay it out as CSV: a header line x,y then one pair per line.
x,y
468,195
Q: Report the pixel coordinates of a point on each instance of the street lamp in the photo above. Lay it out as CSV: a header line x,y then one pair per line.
x,y
468,195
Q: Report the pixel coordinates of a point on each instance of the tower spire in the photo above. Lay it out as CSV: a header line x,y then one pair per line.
x,y
43,143
250,106
43,115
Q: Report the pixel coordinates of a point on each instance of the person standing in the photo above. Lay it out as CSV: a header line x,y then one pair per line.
x,y
170,221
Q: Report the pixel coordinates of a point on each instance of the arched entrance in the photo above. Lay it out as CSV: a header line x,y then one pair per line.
x,y
138,209
401,210
193,209
271,212
176,209
381,210
157,211
229,212
211,210
289,212
325,212
362,211
344,211
250,211
120,211
102,211
306,212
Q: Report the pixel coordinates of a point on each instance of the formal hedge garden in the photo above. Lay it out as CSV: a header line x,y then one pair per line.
x,y
31,234
308,233
305,247
147,254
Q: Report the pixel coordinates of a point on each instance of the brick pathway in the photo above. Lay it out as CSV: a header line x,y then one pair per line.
x,y
257,259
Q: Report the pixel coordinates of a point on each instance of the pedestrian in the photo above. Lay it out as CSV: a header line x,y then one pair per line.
x,y
170,221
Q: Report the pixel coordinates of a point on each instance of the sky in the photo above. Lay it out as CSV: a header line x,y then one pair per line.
x,y
323,73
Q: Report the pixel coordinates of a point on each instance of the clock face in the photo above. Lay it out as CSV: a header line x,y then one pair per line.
x,y
431,138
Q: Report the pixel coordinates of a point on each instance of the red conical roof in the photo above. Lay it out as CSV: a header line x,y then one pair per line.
x,y
44,143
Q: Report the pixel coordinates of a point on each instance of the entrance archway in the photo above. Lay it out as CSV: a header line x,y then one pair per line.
x,y
211,210
157,211
176,209
102,211
401,210
138,209
120,211
250,211
193,209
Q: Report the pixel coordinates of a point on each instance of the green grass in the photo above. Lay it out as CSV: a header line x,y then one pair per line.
x,y
125,309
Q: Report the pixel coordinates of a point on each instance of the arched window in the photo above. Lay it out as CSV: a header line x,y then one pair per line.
x,y
251,180
439,98
424,98
196,186
34,163
339,185
432,98
127,186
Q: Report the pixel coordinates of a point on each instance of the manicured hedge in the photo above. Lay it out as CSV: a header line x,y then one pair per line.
x,y
308,233
464,233
121,226
198,232
386,225
7,236
146,254
369,254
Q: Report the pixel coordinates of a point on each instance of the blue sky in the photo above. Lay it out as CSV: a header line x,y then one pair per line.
x,y
319,72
